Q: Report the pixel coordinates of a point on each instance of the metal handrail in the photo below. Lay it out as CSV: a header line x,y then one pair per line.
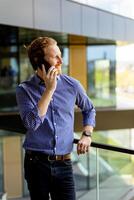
x,y
17,126
109,147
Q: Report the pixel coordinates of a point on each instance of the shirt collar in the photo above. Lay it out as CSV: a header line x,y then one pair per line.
x,y
36,79
40,80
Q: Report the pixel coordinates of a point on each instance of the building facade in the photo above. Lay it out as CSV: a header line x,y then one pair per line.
x,y
97,48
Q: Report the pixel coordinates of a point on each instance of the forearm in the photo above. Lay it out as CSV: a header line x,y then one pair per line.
x,y
88,128
45,101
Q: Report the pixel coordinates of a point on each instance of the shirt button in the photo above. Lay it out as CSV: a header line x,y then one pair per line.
x,y
54,123
51,99
53,111
56,136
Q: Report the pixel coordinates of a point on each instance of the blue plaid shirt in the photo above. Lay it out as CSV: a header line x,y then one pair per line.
x,y
53,133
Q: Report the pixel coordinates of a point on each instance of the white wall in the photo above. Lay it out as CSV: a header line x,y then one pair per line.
x,y
66,16
16,12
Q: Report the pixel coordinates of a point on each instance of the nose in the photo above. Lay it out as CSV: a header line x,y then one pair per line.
x,y
59,60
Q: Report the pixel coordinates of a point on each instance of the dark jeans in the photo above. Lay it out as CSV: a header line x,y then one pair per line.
x,y
49,177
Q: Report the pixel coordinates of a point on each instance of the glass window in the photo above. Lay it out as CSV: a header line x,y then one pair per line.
x,y
65,59
9,65
25,67
125,76
101,75
14,63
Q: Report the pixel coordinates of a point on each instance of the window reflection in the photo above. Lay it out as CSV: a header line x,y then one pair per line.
x,y
8,67
101,74
125,76
25,67
65,59
14,63
8,74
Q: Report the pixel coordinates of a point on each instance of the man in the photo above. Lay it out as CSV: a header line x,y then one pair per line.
x,y
46,102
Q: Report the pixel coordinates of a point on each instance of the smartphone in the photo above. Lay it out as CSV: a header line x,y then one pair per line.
x,y
46,64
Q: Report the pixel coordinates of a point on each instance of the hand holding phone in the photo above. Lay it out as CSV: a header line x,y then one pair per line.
x,y
49,78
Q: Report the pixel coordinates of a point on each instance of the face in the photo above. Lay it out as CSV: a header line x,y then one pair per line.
x,y
53,56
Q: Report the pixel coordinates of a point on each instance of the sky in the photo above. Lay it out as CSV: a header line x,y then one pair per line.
x,y
120,7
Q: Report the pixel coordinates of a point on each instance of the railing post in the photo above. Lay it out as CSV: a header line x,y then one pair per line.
x,y
88,169
97,174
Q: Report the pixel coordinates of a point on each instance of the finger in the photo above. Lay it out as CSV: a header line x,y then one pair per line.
x,y
79,148
53,76
50,69
53,73
83,149
43,69
87,149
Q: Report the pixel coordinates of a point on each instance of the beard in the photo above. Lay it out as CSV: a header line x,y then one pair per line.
x,y
59,71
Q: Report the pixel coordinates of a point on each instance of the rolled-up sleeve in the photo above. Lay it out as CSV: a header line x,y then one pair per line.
x,y
29,111
86,106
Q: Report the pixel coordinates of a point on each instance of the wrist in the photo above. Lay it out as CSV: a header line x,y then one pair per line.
x,y
49,91
87,133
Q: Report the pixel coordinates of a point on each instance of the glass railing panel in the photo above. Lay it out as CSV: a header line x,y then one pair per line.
x,y
121,138
84,167
116,175
104,174
99,174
